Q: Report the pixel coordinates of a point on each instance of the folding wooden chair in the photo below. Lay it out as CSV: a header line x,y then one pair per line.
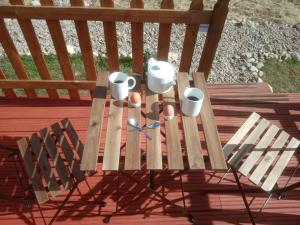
x,y
261,151
51,160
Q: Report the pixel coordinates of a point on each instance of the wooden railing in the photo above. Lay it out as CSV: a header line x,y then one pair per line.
x,y
109,15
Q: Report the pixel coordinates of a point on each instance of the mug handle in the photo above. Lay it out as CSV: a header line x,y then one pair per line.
x,y
133,80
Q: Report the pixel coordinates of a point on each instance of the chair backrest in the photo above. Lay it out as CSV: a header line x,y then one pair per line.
x,y
45,155
77,12
261,151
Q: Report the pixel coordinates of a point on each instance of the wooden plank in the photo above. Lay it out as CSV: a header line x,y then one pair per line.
x,y
137,33
59,165
105,14
133,145
280,165
154,154
91,148
213,36
190,39
175,160
110,37
190,127
68,152
14,57
50,84
248,143
9,93
35,49
47,171
164,33
240,134
268,159
112,150
61,49
85,44
259,149
32,171
216,155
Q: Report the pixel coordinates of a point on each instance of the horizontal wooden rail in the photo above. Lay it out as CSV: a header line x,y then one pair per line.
x,y
48,84
106,14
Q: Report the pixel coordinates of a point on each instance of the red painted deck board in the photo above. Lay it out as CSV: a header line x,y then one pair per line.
x,y
21,117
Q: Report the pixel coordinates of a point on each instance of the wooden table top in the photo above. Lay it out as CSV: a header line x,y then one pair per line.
x,y
178,148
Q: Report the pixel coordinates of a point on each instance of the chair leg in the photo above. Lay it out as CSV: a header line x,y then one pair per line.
x,y
243,196
222,178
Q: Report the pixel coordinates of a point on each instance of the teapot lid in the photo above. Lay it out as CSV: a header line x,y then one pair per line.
x,y
161,69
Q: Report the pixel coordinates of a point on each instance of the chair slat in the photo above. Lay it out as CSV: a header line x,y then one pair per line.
x,y
248,143
259,149
61,169
216,155
164,33
61,49
133,142
240,134
91,147
35,49
154,154
32,171
137,33
190,39
14,57
268,159
110,37
175,160
111,157
190,127
68,152
280,165
47,171
9,93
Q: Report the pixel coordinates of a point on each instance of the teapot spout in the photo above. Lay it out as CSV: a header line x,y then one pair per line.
x,y
169,85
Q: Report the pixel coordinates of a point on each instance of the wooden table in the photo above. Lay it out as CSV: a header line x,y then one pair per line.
x,y
178,148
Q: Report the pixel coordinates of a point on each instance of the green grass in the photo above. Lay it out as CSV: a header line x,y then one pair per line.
x,y
284,76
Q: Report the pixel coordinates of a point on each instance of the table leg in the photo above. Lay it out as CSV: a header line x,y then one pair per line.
x,y
152,177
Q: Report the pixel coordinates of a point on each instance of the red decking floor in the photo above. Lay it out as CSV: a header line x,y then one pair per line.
x,y
232,105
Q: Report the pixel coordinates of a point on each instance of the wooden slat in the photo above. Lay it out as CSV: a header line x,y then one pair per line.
x,y
154,154
259,149
175,161
91,149
85,44
61,49
14,57
216,155
32,171
9,93
268,159
248,143
68,152
110,37
190,39
133,145
35,49
190,127
240,134
47,171
280,165
105,14
164,34
213,36
112,150
137,41
60,167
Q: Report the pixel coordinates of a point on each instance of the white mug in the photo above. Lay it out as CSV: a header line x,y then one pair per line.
x,y
119,86
192,100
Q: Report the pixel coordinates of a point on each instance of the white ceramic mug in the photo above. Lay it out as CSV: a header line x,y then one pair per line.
x,y
192,100
119,86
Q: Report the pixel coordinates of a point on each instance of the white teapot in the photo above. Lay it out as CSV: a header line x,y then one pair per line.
x,y
160,76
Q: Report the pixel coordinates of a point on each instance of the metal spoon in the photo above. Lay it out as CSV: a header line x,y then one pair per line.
x,y
153,125
132,122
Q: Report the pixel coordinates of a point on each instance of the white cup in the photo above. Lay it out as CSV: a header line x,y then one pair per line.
x,y
119,86
192,100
